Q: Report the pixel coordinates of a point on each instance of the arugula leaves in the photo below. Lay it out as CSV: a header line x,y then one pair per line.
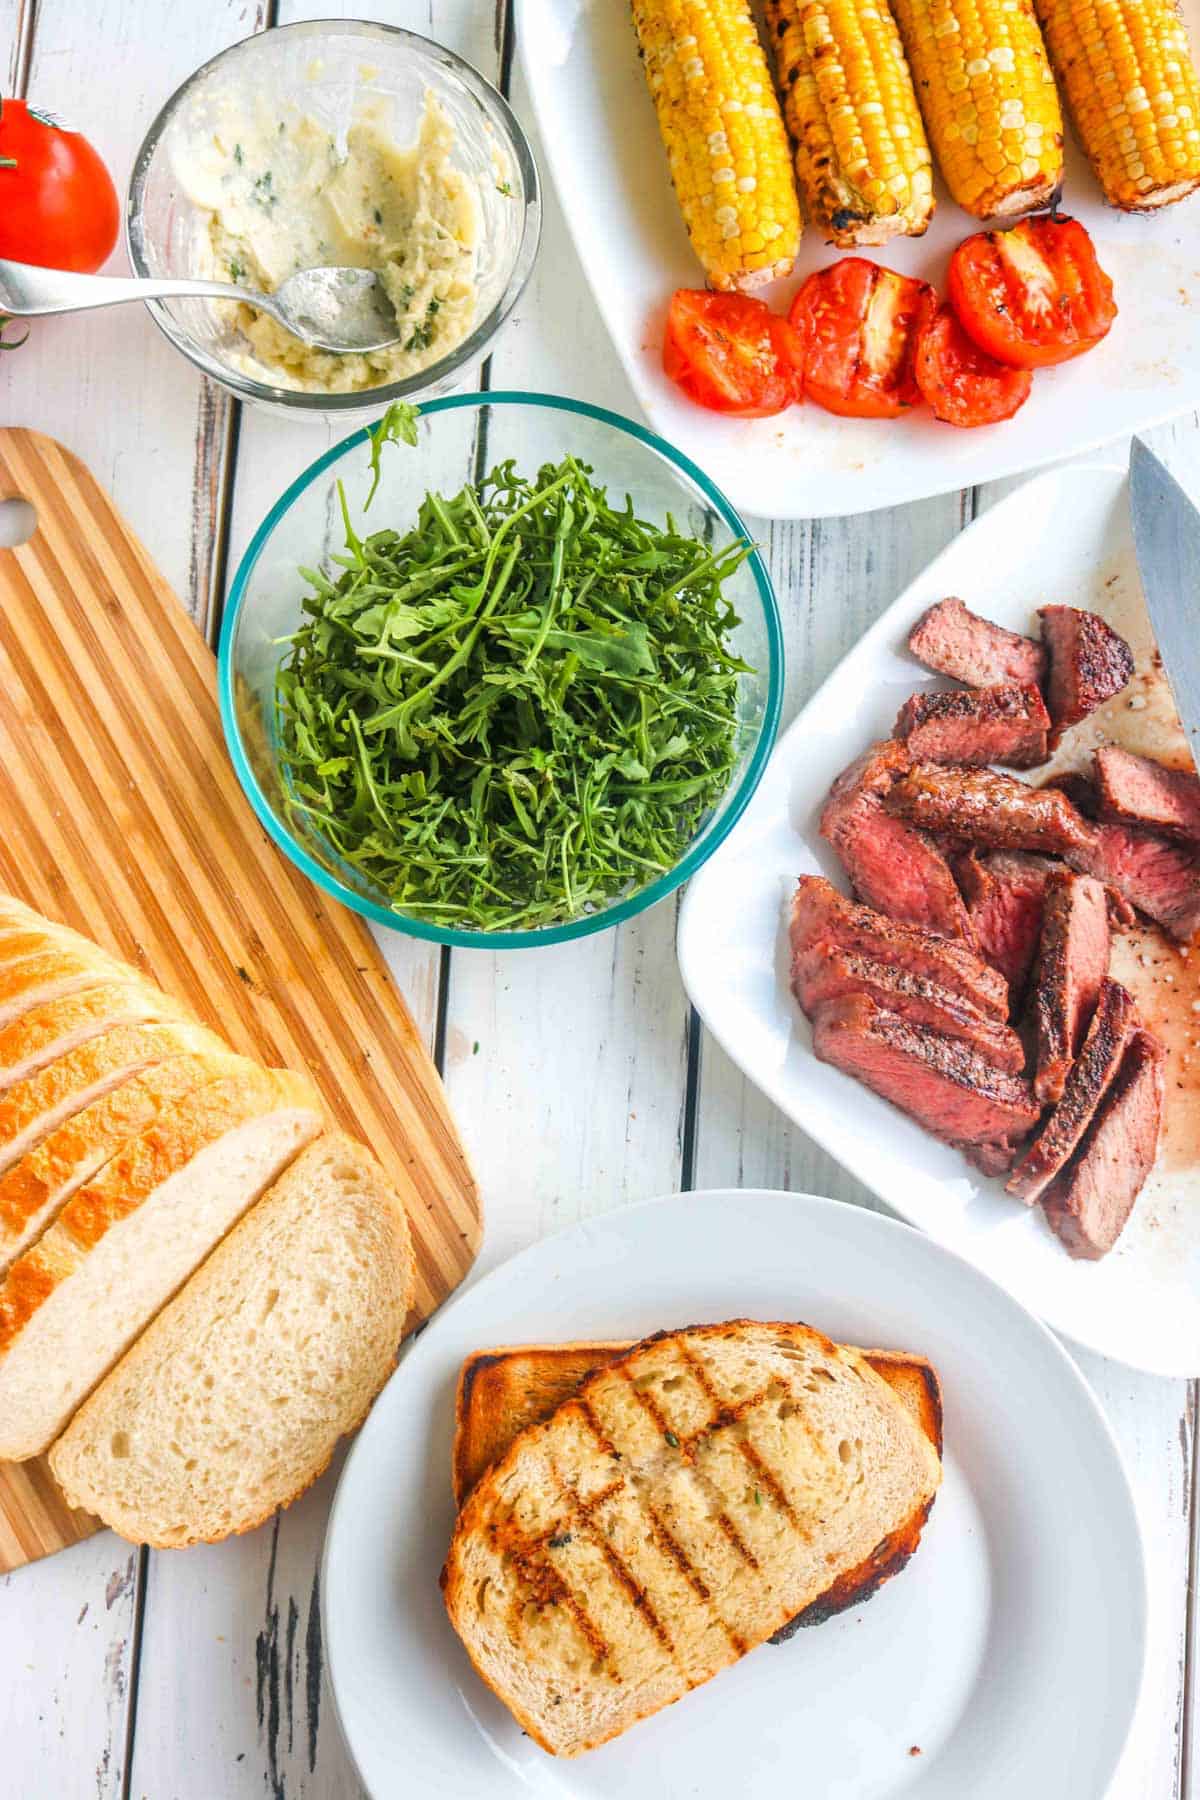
x,y
397,426
518,710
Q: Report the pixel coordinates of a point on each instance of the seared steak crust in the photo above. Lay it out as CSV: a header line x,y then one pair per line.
x,y
1072,963
891,865
996,811
1003,724
1089,663
822,917
1136,791
1114,1019
1089,1205
1004,892
822,974
939,1081
956,642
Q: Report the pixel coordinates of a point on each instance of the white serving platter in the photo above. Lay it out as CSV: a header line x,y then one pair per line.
x,y
601,142
998,1663
1065,536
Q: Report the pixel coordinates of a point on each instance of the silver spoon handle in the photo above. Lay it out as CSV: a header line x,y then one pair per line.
x,y
29,292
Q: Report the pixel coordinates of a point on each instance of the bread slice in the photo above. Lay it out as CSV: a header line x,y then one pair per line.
x,y
35,1189
32,1108
127,1240
52,1028
501,1392
52,974
687,1503
230,1403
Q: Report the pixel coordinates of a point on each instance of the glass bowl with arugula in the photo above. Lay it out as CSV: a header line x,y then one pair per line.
x,y
504,669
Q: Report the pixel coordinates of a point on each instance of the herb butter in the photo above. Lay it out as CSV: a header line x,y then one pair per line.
x,y
278,191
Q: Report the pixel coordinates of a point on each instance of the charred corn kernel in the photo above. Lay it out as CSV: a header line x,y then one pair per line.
x,y
1131,87
862,158
989,101
724,136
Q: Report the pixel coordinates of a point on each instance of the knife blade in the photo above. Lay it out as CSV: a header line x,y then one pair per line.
x,y
1166,536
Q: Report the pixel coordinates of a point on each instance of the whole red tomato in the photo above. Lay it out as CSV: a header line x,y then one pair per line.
x,y
58,206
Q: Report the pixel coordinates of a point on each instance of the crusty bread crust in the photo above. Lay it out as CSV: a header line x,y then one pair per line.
x,y
35,1189
558,1578
32,1107
50,1028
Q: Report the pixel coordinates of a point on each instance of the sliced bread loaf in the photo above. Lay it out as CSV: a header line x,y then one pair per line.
x,y
32,1108
125,1242
685,1505
230,1403
35,1189
52,1028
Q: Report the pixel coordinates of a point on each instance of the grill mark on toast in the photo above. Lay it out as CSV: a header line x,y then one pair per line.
x,y
722,1416
726,1414
665,1539
638,1597
647,1404
770,1481
672,1548
594,1426
583,1516
712,1492
547,1588
735,1538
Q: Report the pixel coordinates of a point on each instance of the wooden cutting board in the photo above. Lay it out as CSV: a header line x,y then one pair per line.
x,y
120,814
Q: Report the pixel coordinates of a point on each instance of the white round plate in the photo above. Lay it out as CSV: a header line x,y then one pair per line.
x,y
1004,1661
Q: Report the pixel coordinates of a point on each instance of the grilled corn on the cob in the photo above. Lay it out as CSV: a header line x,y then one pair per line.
x,y
862,158
989,100
724,135
1132,92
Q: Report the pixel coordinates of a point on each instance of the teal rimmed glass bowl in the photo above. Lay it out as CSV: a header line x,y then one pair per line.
x,y
460,438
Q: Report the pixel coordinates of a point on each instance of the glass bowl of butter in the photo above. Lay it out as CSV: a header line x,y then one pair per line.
x,y
344,143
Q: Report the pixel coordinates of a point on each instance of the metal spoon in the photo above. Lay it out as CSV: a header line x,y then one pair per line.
x,y
335,309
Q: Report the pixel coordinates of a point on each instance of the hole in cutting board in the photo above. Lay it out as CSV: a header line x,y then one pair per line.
x,y
18,522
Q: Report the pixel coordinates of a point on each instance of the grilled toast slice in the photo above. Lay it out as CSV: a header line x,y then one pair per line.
x,y
690,1499
502,1391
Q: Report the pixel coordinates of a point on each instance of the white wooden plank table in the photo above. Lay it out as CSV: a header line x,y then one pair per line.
x,y
199,1675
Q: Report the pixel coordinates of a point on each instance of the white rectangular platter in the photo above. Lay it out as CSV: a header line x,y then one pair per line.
x,y
1063,537
601,142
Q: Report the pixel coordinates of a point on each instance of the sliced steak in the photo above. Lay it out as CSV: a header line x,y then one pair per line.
x,y
939,1081
1072,963
821,917
956,642
1089,663
1005,724
1160,878
892,866
1004,891
995,811
1113,1022
822,974
1136,791
1089,1205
